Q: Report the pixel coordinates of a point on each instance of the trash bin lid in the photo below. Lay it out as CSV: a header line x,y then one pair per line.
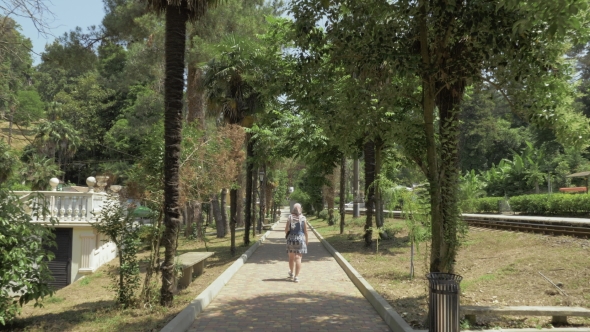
x,y
432,276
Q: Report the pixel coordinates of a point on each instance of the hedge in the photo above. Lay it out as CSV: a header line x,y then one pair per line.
x,y
482,205
540,204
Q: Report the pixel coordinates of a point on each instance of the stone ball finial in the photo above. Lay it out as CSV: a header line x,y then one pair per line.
x,y
53,182
91,182
116,188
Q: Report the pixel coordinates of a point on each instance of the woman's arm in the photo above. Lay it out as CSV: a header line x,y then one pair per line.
x,y
305,231
287,225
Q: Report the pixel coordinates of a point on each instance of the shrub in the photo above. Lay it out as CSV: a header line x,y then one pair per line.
x,y
336,216
23,262
482,205
325,215
540,204
554,204
358,222
146,235
117,223
392,230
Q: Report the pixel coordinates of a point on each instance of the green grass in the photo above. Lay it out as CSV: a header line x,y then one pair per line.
x,y
510,269
54,299
467,284
487,277
88,279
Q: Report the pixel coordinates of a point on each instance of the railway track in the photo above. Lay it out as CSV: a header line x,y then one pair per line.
x,y
581,230
531,227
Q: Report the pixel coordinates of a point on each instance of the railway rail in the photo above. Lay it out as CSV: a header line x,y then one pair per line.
x,y
531,227
576,227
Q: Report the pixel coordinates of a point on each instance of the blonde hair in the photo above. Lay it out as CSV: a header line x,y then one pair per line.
x,y
296,209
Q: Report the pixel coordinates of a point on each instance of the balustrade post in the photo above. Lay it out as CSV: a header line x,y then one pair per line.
x,y
90,205
68,215
76,202
62,209
83,210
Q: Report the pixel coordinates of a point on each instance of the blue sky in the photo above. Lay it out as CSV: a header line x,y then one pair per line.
x,y
68,14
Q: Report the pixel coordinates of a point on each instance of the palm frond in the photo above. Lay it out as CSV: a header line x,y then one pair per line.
x,y
196,8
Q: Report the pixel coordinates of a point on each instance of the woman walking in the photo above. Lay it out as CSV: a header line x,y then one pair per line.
x,y
296,234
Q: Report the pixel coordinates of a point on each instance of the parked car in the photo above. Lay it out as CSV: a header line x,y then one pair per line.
x,y
351,205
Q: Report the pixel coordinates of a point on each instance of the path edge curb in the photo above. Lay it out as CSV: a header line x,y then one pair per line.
x,y
395,322
529,329
184,319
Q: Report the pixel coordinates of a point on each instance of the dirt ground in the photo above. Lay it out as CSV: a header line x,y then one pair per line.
x,y
498,268
88,304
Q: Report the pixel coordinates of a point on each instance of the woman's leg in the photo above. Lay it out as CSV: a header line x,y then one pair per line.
x,y
291,261
297,263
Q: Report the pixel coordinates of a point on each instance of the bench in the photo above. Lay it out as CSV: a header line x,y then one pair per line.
x,y
193,264
559,314
573,190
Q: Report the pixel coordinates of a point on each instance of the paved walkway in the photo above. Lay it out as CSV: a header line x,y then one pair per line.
x,y
260,297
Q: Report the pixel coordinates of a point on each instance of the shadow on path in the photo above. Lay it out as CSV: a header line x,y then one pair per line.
x,y
300,311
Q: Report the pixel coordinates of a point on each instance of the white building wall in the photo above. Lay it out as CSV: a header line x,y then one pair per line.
x,y
89,252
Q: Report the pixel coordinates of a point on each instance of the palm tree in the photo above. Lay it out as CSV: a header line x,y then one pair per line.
x,y
38,170
178,13
57,139
232,97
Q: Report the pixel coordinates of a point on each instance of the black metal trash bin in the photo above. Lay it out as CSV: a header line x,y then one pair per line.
x,y
443,302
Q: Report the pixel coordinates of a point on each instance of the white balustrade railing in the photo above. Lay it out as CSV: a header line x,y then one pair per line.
x,y
65,206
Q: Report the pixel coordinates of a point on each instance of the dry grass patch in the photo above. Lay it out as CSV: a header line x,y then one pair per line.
x,y
498,268
20,136
88,304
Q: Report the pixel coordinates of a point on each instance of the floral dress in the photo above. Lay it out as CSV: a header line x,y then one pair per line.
x,y
296,239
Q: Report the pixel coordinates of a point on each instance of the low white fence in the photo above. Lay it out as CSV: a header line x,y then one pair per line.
x,y
65,206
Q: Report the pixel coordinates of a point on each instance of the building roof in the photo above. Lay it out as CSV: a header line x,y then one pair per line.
x,y
579,175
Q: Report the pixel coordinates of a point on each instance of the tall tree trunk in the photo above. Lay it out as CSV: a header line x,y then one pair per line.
x,y
209,214
233,214
185,218
448,101
240,200
369,190
248,203
379,217
254,199
342,192
378,198
198,220
224,219
329,194
11,119
355,189
267,196
262,191
219,224
194,92
428,105
193,214
174,48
